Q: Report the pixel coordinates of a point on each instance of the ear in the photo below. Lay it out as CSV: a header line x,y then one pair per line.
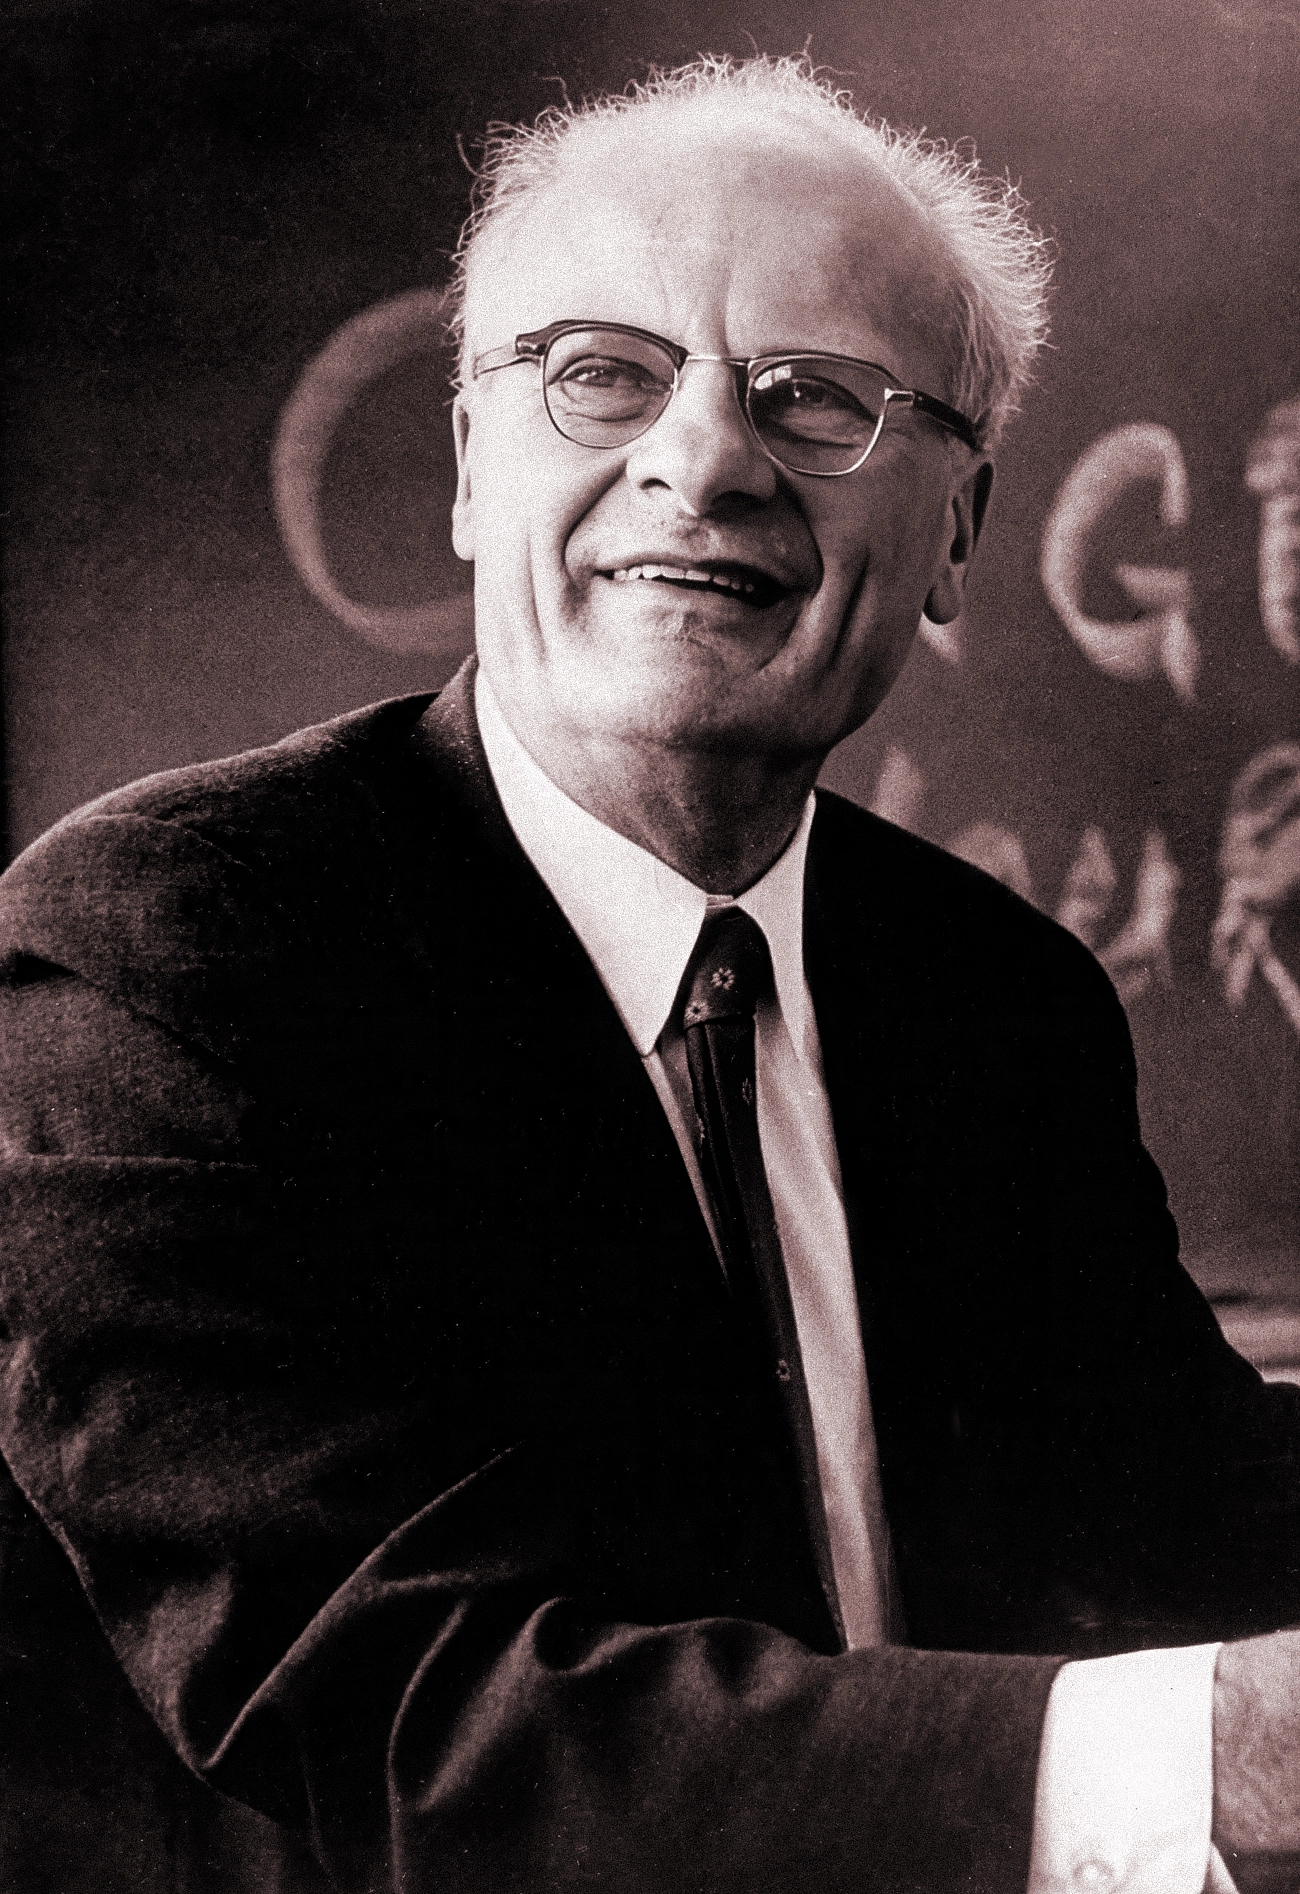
x,y
462,512
967,507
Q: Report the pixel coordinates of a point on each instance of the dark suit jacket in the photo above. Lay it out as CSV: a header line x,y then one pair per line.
x,y
368,1358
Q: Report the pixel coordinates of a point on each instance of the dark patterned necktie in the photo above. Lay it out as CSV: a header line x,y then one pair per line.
x,y
730,971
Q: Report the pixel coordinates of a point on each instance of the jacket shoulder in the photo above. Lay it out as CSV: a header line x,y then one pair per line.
x,y
975,936
177,891
272,790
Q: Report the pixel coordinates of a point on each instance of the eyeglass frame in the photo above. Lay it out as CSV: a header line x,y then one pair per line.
x,y
534,345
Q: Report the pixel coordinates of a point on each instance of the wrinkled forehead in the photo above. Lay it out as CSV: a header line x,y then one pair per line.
x,y
736,236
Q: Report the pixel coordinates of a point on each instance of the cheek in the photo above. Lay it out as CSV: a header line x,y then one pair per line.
x,y
886,544
530,499
519,527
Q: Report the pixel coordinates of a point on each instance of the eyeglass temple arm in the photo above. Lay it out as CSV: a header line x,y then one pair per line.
x,y
940,411
524,348
501,358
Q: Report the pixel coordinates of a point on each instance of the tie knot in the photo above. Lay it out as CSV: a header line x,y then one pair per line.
x,y
730,969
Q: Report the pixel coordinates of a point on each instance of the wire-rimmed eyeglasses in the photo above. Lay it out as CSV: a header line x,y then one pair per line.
x,y
605,384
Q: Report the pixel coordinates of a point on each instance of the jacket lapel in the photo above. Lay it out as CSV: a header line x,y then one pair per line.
x,y
888,1042
550,1084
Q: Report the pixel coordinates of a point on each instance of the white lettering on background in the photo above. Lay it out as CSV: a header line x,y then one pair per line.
x,y
899,790
1160,638
1273,472
1259,857
1089,888
1141,948
999,851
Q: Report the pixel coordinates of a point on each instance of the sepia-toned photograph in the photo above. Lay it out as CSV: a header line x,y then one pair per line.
x,y
650,947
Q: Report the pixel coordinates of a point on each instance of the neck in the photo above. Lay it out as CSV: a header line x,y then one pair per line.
x,y
720,818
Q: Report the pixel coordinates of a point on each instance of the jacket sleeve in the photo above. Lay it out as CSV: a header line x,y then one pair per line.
x,y
412,1659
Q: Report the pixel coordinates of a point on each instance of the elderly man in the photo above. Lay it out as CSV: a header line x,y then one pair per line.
x,y
586,1316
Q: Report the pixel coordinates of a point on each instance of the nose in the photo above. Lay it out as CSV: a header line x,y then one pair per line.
x,y
701,449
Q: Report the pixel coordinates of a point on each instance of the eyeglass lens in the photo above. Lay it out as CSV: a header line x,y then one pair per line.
x,y
815,414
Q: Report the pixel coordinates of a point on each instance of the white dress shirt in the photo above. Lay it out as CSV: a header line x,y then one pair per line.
x,y
1125,1789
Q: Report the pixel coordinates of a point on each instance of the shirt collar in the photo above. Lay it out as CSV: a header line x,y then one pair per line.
x,y
638,918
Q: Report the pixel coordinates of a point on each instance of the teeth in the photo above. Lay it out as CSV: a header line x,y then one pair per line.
x,y
693,573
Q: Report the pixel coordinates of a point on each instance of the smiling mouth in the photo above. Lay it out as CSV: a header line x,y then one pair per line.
x,y
746,584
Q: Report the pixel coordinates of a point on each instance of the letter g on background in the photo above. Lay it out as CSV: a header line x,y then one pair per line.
x,y
1160,638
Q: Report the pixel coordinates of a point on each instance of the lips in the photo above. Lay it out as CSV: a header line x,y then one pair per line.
x,y
747,584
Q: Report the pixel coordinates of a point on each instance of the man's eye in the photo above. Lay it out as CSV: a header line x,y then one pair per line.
x,y
808,408
814,397
607,372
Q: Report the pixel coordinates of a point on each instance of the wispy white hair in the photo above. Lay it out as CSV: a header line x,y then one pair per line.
x,y
999,266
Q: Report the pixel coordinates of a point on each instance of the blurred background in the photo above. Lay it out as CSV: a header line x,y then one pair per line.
x,y
203,194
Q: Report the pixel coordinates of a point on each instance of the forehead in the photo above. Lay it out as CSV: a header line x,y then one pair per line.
x,y
732,238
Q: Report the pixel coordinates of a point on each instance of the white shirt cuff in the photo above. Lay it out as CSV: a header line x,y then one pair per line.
x,y
1125,1796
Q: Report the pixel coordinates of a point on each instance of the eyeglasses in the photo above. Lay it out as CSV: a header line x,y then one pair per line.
x,y
605,385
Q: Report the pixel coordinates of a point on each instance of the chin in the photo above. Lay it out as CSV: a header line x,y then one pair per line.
x,y
741,722
673,694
